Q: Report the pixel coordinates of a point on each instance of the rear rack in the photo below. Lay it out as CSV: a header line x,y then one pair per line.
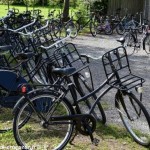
x,y
116,62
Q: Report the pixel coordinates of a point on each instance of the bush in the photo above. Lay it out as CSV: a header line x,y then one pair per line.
x,y
100,4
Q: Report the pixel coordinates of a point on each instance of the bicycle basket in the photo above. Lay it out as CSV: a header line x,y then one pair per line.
x,y
68,56
116,62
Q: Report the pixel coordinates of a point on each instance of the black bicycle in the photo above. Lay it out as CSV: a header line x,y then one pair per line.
x,y
131,40
51,118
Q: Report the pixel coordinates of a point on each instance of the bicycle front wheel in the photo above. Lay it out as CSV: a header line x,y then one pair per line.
x,y
147,44
55,29
93,28
129,43
34,133
134,117
73,28
120,29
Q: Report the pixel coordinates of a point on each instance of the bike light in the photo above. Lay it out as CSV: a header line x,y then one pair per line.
x,y
87,74
139,89
42,39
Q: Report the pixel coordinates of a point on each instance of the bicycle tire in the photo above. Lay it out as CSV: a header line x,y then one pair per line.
x,y
82,86
146,44
140,29
108,30
93,28
33,134
120,29
129,43
55,29
134,117
73,28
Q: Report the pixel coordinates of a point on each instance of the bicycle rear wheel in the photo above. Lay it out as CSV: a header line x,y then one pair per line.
x,y
134,117
108,30
83,88
34,133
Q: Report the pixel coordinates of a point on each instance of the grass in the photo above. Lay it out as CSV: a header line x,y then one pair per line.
x,y
112,137
3,11
44,9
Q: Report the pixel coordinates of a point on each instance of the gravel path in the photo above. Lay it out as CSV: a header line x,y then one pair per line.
x,y
97,47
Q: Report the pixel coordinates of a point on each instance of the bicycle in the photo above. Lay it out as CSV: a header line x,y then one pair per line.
x,y
59,117
12,76
131,39
89,22
63,26
35,68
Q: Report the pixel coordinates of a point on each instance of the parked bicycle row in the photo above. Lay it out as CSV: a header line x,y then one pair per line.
x,y
135,42
48,85
95,21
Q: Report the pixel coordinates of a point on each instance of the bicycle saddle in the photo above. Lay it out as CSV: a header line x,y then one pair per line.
x,y
24,56
64,71
121,40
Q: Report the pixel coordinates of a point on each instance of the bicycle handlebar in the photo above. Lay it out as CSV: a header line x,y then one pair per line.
x,y
29,33
58,42
23,27
91,57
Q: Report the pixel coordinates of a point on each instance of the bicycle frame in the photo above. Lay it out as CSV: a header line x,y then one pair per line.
x,y
85,24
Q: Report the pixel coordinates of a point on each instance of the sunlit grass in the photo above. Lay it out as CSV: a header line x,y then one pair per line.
x,y
44,9
110,136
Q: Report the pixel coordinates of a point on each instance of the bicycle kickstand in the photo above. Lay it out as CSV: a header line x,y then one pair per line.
x,y
73,137
95,141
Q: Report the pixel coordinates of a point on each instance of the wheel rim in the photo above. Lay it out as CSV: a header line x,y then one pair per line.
x,y
34,135
136,124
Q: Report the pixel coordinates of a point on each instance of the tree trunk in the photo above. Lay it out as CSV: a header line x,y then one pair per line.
x,y
66,10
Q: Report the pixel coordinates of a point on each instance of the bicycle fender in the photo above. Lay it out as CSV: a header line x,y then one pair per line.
x,y
30,94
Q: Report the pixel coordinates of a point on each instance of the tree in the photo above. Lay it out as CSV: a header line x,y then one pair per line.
x,y
66,10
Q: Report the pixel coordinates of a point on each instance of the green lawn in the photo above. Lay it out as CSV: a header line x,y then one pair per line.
x,y
3,10
111,137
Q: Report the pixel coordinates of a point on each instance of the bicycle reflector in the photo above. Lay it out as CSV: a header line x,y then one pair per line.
x,y
23,89
139,89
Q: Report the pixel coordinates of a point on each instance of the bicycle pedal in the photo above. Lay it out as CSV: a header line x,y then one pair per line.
x,y
95,141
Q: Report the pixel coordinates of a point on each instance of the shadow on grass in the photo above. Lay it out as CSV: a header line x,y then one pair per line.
x,y
115,131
